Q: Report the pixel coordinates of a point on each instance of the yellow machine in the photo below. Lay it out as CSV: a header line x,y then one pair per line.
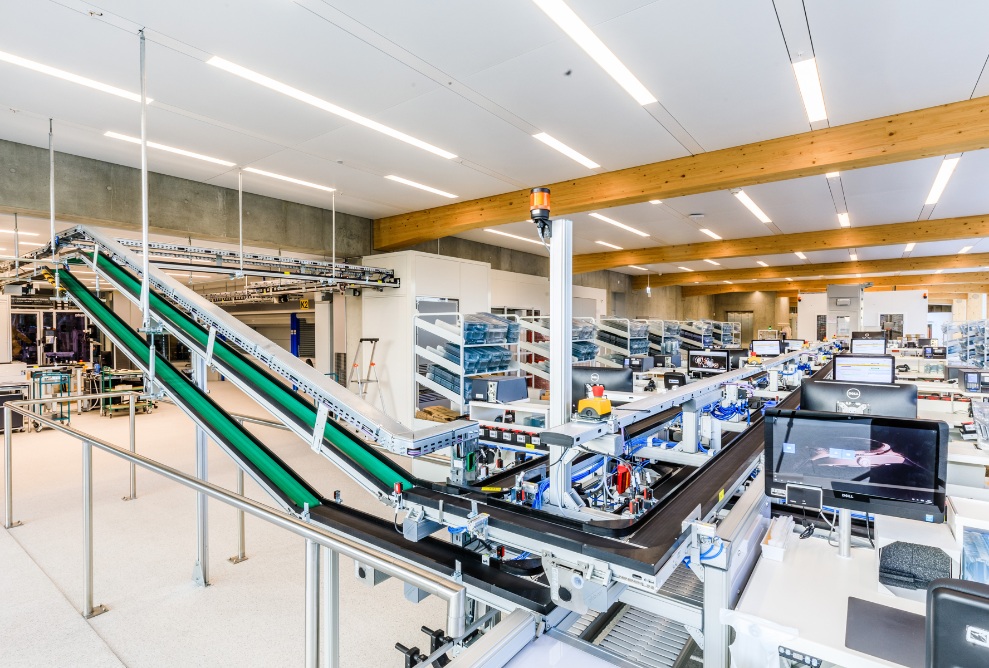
x,y
596,407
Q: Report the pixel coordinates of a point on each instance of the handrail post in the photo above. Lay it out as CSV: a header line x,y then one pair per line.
x,y
241,542
8,475
200,572
331,623
88,610
312,603
133,448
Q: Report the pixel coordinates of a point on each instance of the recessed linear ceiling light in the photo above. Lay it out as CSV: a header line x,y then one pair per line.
x,y
965,249
941,180
854,257
170,149
789,279
513,236
810,89
832,175
21,233
558,145
800,255
655,201
710,233
625,227
685,268
399,179
843,220
729,282
285,89
30,243
563,16
761,263
68,76
909,247
632,266
252,170
751,206
939,271
713,262
605,243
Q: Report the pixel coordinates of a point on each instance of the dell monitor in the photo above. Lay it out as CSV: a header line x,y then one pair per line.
x,y
737,357
834,396
707,362
874,345
617,380
793,345
767,347
864,368
673,379
871,464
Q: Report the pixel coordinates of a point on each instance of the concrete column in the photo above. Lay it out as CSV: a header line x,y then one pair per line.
x,y
323,316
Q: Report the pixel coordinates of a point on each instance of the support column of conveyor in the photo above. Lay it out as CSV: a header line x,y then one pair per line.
x,y
364,464
266,468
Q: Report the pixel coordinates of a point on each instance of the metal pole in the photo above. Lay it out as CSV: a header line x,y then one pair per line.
x,y
241,542
334,234
560,336
88,610
331,623
145,308
240,216
51,198
312,603
201,571
8,477
844,533
133,448
17,247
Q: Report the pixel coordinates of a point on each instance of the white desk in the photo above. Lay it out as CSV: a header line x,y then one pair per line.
x,y
809,591
966,463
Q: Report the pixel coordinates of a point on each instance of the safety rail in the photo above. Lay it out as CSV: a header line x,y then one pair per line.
x,y
453,593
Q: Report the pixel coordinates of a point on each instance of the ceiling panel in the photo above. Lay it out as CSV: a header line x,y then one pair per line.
x,y
966,193
723,214
798,205
890,193
886,56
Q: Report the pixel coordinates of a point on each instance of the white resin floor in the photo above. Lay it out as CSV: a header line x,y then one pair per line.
x,y
253,612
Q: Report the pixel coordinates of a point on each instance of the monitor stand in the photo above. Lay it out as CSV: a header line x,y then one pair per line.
x,y
844,533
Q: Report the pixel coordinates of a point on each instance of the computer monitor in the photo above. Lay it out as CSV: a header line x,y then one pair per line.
x,y
834,396
673,379
935,352
618,380
872,464
971,381
737,357
921,343
767,347
875,345
707,362
792,345
957,616
864,368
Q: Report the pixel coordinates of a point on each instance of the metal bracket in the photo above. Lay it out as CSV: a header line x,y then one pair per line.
x,y
318,430
209,345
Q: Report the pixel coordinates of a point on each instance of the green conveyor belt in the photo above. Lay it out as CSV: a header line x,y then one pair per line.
x,y
190,395
384,471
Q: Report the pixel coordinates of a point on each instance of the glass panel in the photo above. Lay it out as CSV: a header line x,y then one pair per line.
x,y
24,339
71,337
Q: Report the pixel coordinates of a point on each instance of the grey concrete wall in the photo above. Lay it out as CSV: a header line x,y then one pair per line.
x,y
761,304
101,193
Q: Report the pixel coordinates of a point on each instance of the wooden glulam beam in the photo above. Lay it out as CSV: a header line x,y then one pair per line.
x,y
966,261
807,286
934,131
943,229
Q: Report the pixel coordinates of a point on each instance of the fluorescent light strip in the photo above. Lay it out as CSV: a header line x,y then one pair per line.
x,y
556,144
563,16
831,175
30,243
713,262
614,222
655,201
710,233
513,236
300,182
285,89
68,76
729,282
941,180
761,263
810,89
751,206
21,233
939,271
632,266
789,279
909,247
965,250
843,220
435,191
854,257
685,268
801,255
605,243
170,149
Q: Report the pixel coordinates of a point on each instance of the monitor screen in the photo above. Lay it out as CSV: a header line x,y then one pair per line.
x,y
973,381
767,347
859,398
868,346
923,342
737,357
883,465
618,380
864,368
708,362
793,344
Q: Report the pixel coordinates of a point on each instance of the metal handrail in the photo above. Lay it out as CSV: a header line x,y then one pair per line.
x,y
455,594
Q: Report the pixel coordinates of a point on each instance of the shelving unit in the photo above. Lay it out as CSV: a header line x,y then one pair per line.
x,y
966,342
529,417
696,334
627,338
664,337
727,334
453,348
534,345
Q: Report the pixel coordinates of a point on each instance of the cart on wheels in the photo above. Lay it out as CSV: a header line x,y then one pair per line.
x,y
123,381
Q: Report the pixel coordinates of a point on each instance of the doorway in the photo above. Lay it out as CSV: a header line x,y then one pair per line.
x,y
747,320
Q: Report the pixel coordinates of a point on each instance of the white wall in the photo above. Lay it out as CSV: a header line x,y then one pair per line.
x,y
523,291
809,306
910,303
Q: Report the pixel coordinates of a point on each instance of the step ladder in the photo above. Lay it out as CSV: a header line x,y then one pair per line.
x,y
364,379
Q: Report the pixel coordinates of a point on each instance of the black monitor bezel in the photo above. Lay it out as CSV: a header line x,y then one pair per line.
x,y
709,372
778,342
839,358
